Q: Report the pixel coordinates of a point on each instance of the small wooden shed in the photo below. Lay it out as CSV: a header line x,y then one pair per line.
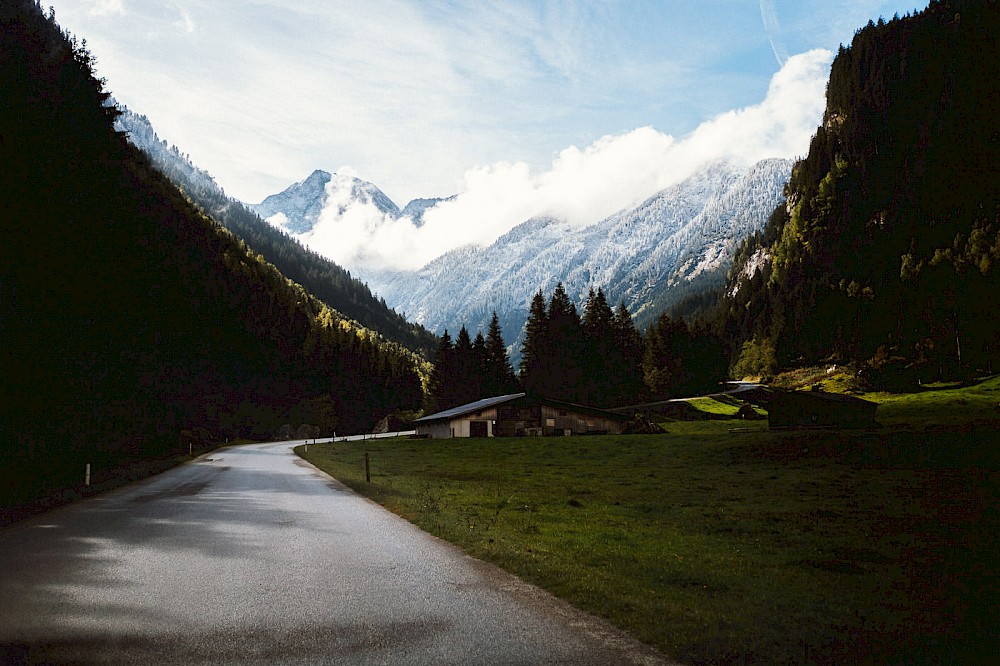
x,y
818,409
519,415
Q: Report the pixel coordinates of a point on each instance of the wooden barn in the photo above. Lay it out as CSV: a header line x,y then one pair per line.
x,y
518,415
818,409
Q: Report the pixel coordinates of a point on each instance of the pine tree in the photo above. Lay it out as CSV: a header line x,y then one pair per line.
x,y
478,380
598,317
661,364
535,352
442,376
479,354
498,372
628,342
565,381
466,380
601,360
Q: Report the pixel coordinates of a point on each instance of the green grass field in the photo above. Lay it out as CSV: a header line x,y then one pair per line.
x,y
719,546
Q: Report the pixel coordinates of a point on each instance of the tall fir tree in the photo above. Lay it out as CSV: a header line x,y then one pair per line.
x,y
498,372
478,381
438,397
479,354
566,379
535,353
628,342
682,359
601,360
466,377
661,364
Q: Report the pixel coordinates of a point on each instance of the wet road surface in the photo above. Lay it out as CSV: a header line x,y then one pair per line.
x,y
250,555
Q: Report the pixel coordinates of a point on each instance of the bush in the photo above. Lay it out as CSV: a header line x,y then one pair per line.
x,y
888,372
757,359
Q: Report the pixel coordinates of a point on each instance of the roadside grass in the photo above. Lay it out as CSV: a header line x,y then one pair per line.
x,y
721,547
22,496
721,406
696,409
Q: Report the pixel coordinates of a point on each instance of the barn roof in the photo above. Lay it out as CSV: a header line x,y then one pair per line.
x,y
486,403
476,406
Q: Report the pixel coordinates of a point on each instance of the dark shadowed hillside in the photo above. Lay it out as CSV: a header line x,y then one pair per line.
x,y
127,315
321,277
888,248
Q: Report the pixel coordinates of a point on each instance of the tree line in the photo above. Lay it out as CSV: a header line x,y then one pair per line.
x,y
598,358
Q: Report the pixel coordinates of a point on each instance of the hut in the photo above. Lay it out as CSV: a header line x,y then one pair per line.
x,y
818,409
519,415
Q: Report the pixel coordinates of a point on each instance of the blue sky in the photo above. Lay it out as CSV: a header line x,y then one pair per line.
x,y
412,95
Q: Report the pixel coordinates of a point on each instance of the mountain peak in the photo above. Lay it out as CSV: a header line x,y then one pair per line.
x,y
415,209
318,176
298,206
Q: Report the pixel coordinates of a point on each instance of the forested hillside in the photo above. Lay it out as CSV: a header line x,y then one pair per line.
x,y
321,277
128,316
887,249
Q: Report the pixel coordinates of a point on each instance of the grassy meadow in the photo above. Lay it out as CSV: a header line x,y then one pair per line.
x,y
721,542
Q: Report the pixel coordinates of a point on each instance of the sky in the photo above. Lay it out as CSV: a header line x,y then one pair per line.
x,y
576,108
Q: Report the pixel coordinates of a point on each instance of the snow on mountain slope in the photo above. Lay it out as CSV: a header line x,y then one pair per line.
x,y
415,209
177,166
299,208
650,257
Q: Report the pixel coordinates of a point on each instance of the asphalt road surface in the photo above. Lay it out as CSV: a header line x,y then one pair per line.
x,y
251,555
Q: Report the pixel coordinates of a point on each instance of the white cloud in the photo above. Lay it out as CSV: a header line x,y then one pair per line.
x,y
582,185
773,29
186,23
781,125
106,7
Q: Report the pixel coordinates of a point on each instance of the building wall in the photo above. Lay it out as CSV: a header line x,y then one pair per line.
x,y
539,419
434,430
459,427
463,427
555,420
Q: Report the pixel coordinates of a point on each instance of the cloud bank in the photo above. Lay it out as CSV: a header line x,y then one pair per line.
x,y
582,185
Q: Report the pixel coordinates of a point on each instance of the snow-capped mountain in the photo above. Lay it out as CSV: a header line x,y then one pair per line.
x,y
678,242
297,209
415,209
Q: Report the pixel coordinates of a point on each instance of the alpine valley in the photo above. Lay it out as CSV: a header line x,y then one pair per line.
x,y
674,246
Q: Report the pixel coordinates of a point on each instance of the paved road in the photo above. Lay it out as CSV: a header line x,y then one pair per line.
x,y
251,555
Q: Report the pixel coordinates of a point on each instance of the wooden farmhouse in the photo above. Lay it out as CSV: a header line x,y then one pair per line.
x,y
818,409
518,415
